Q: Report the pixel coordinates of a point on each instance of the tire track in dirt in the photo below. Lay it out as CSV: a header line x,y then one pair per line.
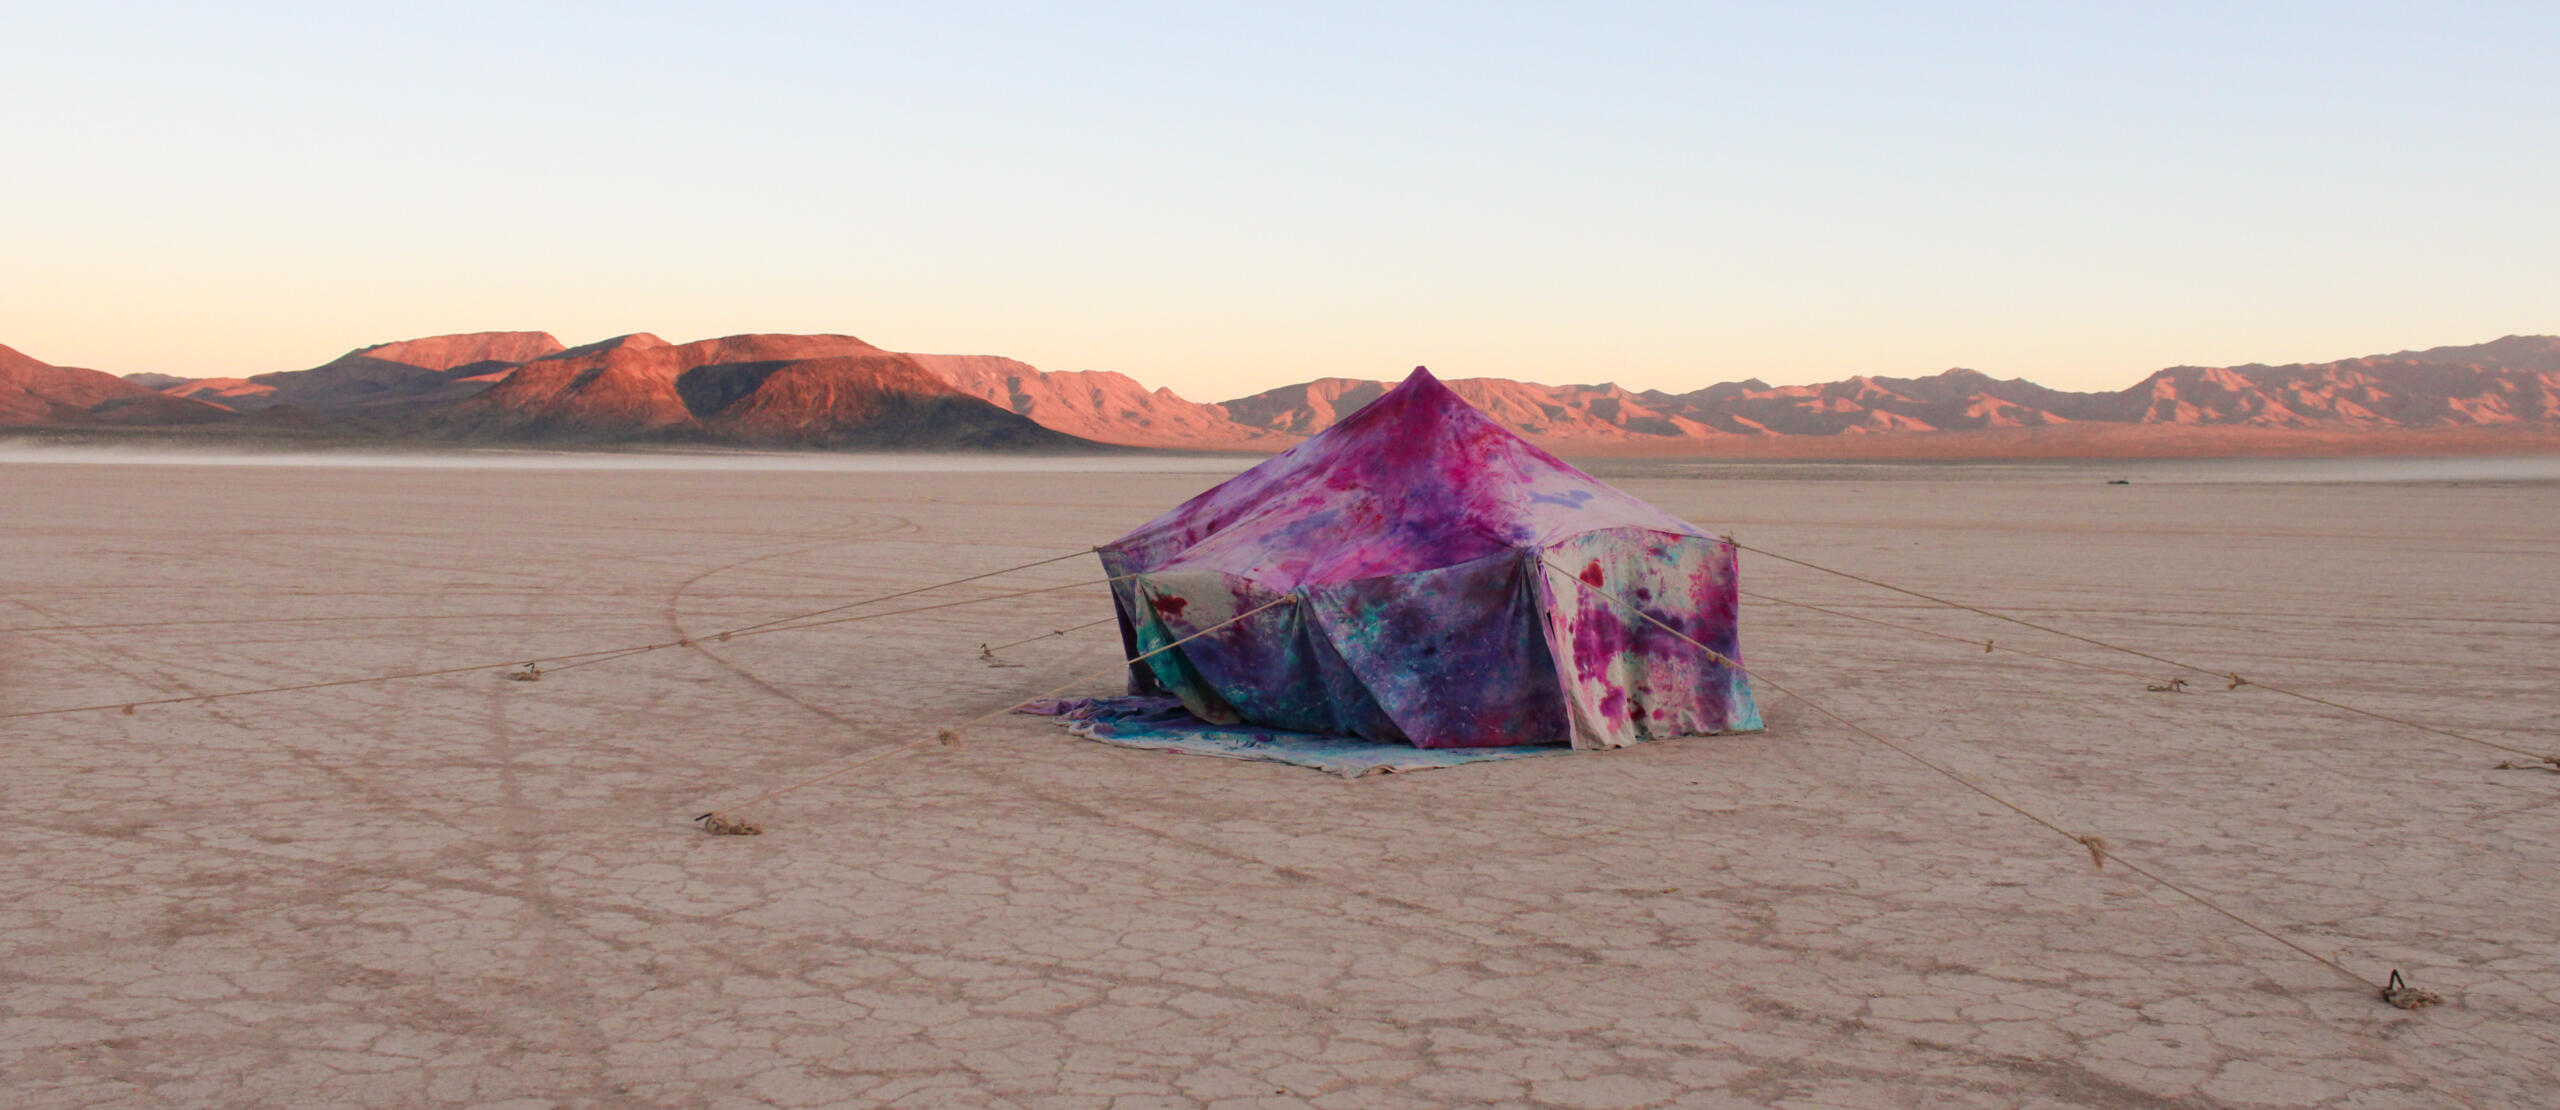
x,y
349,776
1393,915
547,921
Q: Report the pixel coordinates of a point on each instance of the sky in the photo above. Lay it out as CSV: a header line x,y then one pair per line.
x,y
1225,198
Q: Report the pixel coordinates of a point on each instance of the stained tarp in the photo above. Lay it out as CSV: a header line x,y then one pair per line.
x,y
1424,559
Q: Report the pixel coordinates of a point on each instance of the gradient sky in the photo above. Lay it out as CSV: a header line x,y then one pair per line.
x,y
1222,200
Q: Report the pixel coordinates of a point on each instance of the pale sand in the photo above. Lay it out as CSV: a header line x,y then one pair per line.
x,y
469,890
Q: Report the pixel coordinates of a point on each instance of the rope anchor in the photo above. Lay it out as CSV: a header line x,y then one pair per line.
x,y
2399,993
532,672
717,825
2173,686
2549,763
2097,846
987,655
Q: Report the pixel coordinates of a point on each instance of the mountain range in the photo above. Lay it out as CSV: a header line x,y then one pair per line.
x,y
835,391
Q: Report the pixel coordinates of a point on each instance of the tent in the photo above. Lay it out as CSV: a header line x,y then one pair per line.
x,y
1419,564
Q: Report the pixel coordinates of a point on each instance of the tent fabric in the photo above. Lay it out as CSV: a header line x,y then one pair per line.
x,y
1426,555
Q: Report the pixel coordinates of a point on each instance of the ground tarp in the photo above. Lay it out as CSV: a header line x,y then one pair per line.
x,y
1162,724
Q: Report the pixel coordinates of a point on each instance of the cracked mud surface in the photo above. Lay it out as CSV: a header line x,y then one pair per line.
x,y
470,891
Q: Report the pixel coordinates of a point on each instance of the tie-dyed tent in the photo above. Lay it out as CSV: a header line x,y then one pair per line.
x,y
1422,554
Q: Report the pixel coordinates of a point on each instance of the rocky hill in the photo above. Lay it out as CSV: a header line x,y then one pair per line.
x,y
1100,405
762,390
835,390
435,369
2513,380
36,394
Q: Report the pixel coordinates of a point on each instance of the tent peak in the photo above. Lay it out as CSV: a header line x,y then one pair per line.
x,y
1423,383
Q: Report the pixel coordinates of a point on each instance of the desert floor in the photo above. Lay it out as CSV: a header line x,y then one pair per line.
x,y
467,890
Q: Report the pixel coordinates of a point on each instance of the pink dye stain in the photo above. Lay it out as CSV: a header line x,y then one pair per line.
x,y
1169,608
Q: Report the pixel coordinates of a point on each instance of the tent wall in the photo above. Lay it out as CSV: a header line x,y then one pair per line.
x,y
1273,668
1624,678
1448,658
1498,651
1455,656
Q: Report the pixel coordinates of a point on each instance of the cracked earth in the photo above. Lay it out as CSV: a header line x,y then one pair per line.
x,y
462,890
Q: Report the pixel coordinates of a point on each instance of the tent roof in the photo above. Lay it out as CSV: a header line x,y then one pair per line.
x,y
1419,479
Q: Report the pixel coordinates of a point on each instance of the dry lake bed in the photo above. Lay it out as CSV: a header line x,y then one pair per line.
x,y
465,890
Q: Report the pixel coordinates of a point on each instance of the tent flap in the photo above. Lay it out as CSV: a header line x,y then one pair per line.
x,y
1628,678
1454,656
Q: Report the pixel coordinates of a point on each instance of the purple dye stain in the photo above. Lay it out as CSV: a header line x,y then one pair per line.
x,y
1598,637
1591,574
1614,706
